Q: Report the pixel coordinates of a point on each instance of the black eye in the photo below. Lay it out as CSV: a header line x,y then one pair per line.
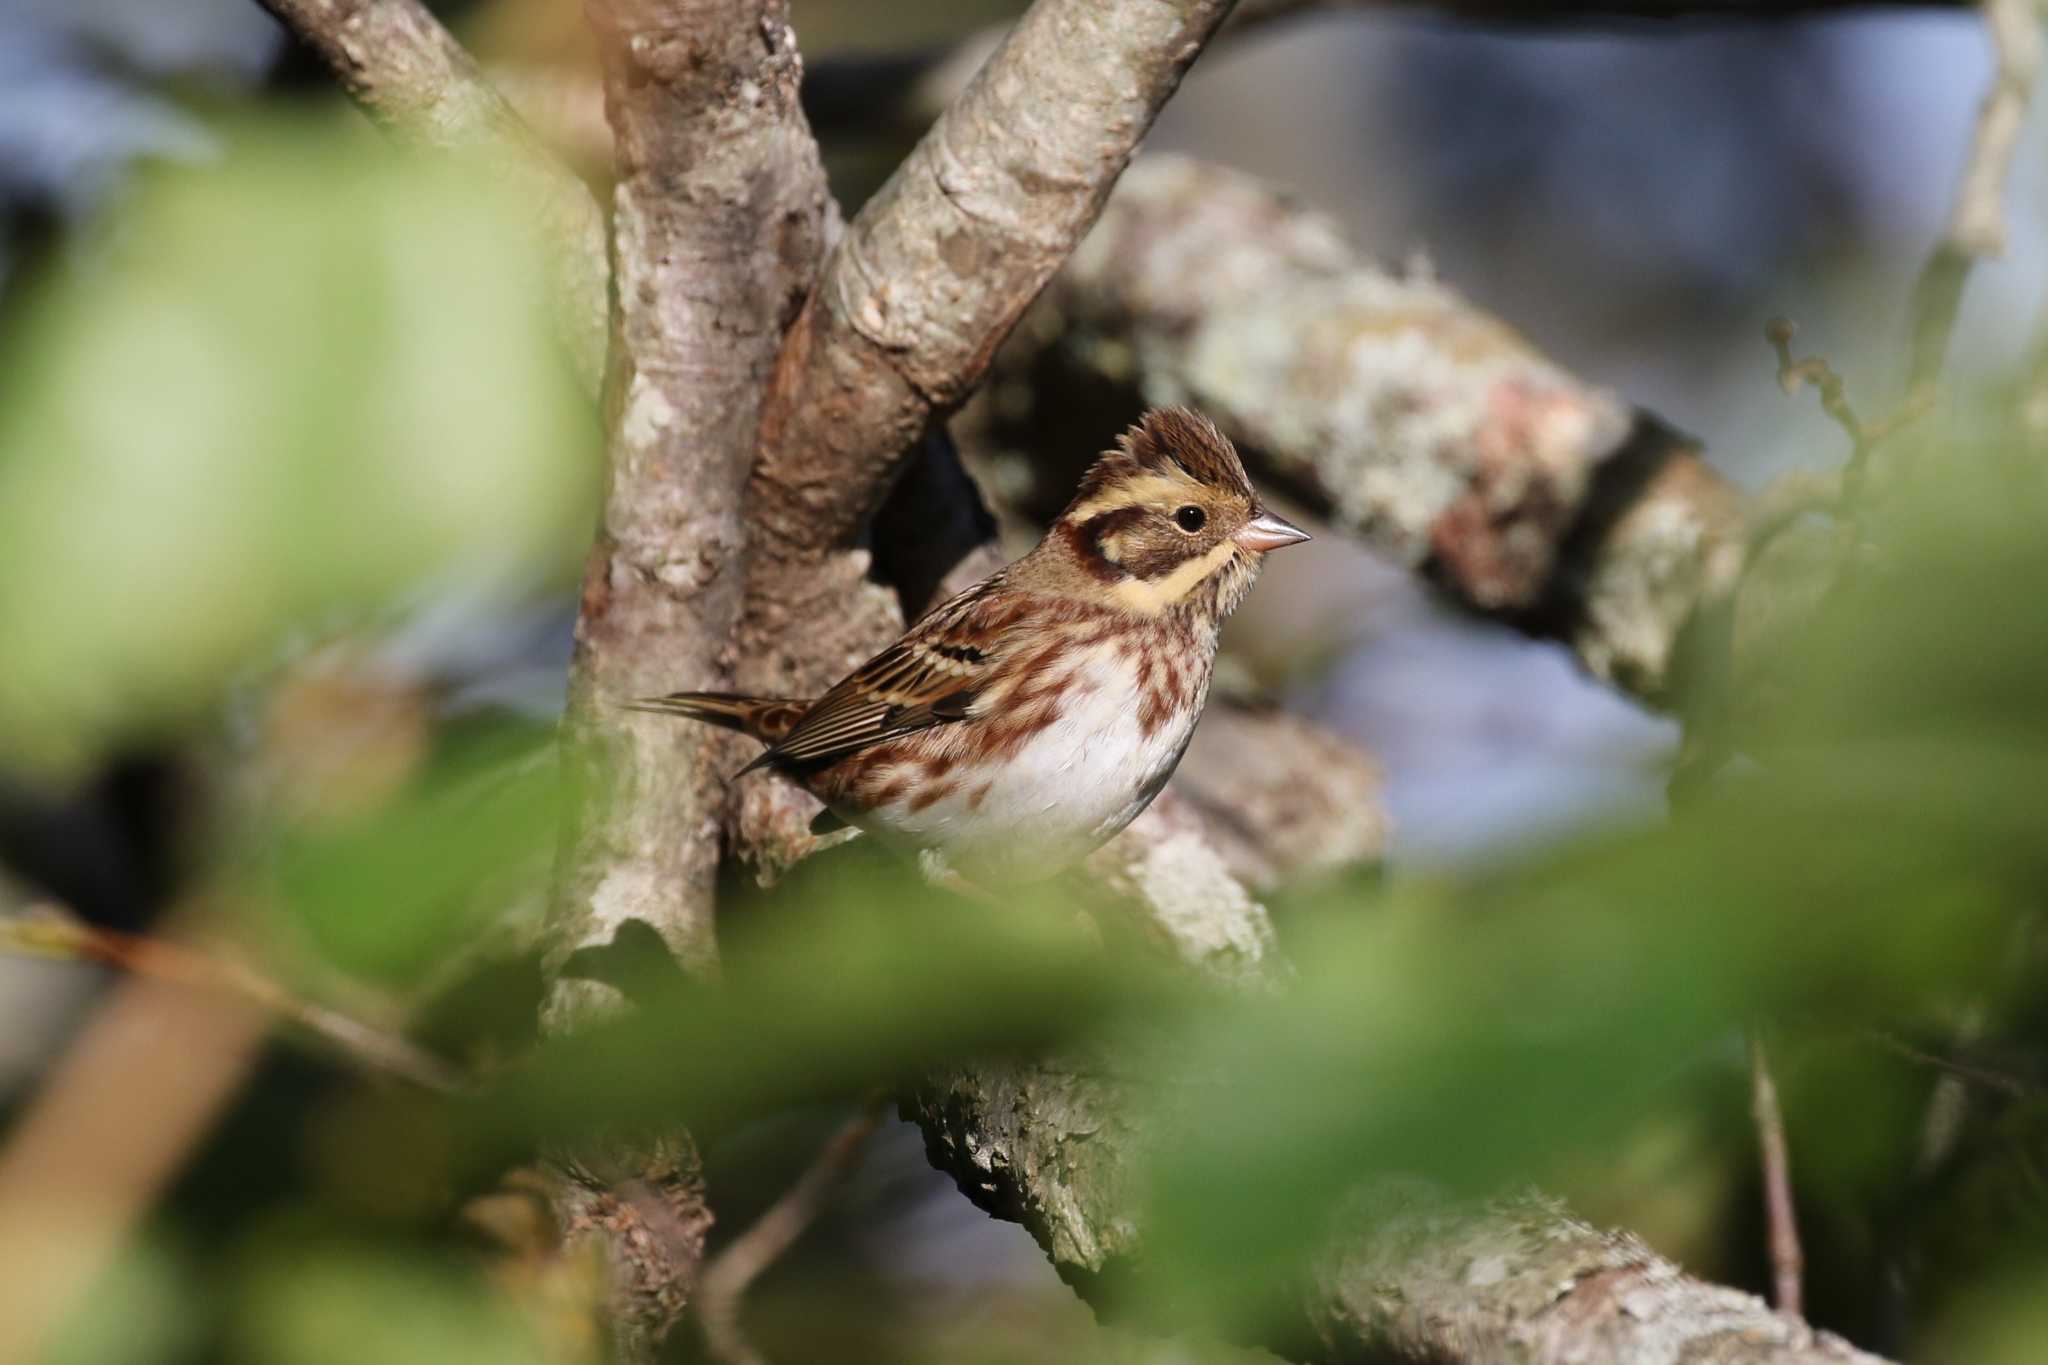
x,y
1190,518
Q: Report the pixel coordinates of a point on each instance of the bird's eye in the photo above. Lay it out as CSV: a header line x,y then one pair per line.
x,y
1190,518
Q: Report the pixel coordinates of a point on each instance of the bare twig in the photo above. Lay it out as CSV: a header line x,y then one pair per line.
x,y
1976,224
1976,229
48,932
411,75
1783,501
1984,1077
1788,1261
1864,437
725,1280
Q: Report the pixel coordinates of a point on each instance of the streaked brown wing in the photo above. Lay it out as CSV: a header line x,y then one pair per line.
x,y
929,677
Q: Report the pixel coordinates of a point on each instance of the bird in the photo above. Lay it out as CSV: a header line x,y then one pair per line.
x,y
1021,724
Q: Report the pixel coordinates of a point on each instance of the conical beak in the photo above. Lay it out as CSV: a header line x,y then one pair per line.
x,y
1267,532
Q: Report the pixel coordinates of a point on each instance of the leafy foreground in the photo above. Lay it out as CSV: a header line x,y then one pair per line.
x,y
1863,878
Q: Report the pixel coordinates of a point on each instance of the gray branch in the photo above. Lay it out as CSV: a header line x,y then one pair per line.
x,y
1054,1145
1395,410
719,222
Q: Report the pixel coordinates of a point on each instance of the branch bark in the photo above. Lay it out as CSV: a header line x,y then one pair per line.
x,y
1050,1143
720,215
409,74
1390,407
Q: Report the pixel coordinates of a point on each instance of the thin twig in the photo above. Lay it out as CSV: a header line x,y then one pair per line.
x,y
1788,1261
725,1280
1864,437
1976,225
1976,229
48,931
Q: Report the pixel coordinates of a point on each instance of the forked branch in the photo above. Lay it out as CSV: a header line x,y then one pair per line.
x,y
939,265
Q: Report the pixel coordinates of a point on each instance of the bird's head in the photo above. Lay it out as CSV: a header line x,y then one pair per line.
x,y
1167,521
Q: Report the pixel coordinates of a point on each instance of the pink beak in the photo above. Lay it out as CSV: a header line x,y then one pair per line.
x,y
1267,532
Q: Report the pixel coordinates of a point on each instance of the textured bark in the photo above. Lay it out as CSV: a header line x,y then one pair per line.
x,y
1053,1144
914,299
719,221
1282,801
719,217
1524,1283
408,73
1392,408
644,1206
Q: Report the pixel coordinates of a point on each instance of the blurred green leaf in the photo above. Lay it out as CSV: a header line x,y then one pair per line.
x,y
299,382
858,977
1869,866
143,1309
391,892
344,1306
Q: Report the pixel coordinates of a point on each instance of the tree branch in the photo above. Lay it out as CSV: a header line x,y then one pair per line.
x,y
1051,1143
728,1277
409,73
719,222
1392,408
1976,225
1781,1214
939,265
720,215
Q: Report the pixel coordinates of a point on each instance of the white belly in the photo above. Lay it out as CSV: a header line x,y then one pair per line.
x,y
1070,787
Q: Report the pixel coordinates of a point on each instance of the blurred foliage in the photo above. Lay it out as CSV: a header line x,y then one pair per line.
x,y
277,401
288,388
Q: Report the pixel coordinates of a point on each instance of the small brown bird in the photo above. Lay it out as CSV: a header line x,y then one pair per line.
x,y
1015,728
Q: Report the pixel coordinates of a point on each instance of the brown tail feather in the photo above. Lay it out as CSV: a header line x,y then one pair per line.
x,y
767,719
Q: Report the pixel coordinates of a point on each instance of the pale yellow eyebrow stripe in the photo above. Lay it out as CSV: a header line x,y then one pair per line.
x,y
1135,493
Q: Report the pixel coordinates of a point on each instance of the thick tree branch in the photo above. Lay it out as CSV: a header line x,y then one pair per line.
x,y
1055,1145
719,221
409,73
719,216
1392,408
939,265
1282,801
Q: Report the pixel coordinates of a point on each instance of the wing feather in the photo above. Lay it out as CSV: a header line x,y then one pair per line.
x,y
929,677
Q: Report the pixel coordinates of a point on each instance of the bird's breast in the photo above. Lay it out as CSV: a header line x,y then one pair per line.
x,y
1058,757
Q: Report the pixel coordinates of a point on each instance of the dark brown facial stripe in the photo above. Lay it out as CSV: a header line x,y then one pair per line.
x,y
1159,560
1105,524
1085,539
